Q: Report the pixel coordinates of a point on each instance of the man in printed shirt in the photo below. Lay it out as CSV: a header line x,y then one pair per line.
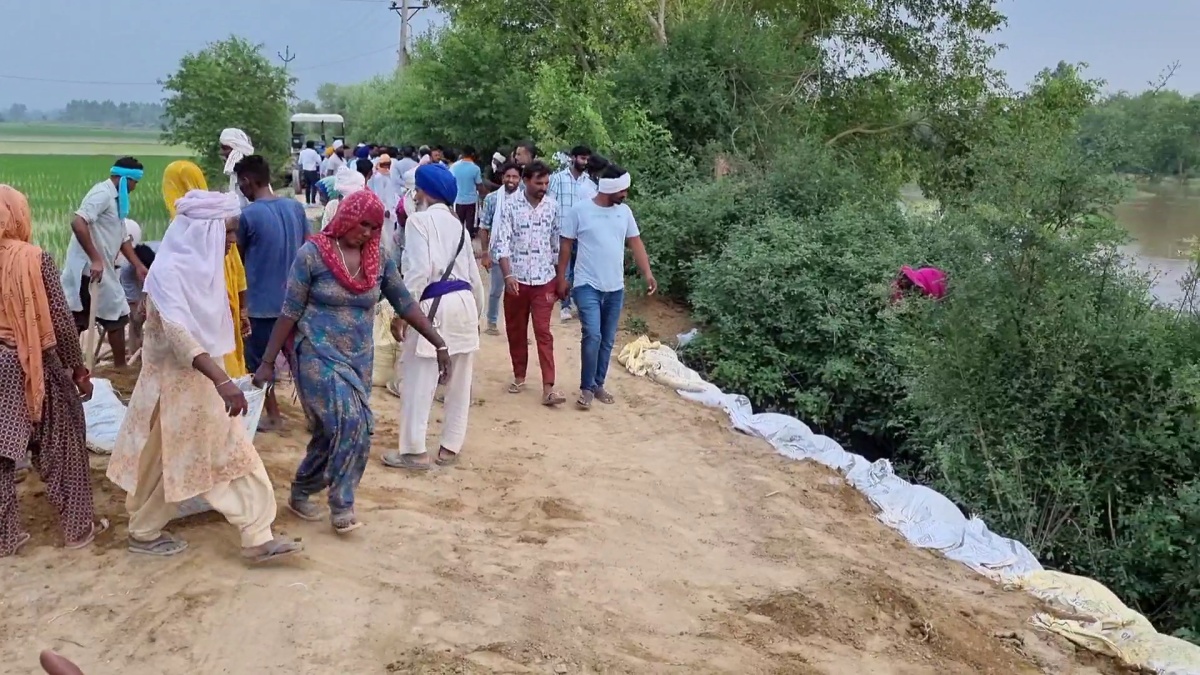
x,y
526,244
509,175
564,186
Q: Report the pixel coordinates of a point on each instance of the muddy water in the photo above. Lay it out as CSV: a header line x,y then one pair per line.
x,y
1161,218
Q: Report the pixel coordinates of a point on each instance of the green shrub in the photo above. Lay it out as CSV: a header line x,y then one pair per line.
x,y
679,228
794,316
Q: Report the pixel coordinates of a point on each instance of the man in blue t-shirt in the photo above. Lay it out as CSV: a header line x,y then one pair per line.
x,y
600,229
271,230
469,178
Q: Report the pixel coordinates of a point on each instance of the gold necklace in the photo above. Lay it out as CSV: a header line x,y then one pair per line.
x,y
342,255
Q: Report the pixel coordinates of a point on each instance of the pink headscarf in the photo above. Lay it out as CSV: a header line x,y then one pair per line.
x,y
930,280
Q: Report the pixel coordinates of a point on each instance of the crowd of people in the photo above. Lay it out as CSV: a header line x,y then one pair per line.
x,y
238,284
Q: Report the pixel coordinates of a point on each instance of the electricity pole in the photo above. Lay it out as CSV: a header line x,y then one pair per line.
x,y
286,56
407,9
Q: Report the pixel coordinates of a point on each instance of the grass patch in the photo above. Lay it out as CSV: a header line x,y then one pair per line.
x,y
67,139
55,185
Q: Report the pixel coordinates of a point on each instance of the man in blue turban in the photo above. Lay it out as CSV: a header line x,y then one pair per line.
x,y
440,269
436,181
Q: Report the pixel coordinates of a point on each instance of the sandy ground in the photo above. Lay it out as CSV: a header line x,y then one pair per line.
x,y
643,537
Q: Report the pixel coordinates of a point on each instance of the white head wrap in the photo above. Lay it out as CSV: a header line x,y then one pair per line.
x,y
347,181
337,144
133,232
240,146
498,160
410,188
611,186
187,280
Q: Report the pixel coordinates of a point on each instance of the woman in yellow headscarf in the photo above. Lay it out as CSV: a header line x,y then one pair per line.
x,y
179,178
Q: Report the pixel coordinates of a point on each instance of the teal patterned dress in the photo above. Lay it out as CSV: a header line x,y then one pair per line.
x,y
334,353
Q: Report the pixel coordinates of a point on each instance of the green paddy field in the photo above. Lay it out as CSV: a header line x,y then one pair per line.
x,y
55,165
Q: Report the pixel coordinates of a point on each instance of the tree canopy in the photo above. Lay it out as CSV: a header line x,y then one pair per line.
x,y
229,83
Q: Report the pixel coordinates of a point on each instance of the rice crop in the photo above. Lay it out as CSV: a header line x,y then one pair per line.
x,y
56,184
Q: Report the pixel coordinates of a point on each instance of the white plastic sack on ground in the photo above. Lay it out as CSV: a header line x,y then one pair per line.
x,y
683,338
104,414
928,519
659,363
1099,621
386,348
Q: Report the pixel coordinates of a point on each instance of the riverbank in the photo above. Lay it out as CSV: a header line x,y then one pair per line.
x,y
642,537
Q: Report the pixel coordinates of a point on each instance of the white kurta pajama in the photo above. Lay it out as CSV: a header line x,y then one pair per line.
x,y
99,209
430,239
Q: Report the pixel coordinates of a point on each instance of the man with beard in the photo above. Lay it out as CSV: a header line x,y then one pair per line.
x,y
525,244
600,229
510,181
564,186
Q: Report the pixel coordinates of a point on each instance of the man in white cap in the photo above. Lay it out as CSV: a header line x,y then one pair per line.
x,y
599,230
235,146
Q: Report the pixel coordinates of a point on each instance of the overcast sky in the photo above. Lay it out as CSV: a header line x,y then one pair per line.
x,y
57,50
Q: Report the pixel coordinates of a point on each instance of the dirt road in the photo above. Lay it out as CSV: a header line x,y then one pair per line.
x,y
643,537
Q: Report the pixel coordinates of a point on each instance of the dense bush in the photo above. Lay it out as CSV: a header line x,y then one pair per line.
x,y
794,314
1056,402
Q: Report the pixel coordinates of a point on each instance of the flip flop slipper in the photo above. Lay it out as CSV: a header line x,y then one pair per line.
x,y
310,517
268,426
164,547
396,460
553,398
584,402
21,541
492,330
276,549
603,396
392,389
97,529
440,398
349,522
516,387
449,459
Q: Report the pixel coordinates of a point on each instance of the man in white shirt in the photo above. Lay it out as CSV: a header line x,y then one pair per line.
x,y
310,171
336,160
564,185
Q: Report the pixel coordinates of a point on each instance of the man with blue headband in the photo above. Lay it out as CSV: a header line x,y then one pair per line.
x,y
98,236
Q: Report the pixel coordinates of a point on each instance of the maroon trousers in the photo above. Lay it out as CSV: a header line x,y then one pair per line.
x,y
536,302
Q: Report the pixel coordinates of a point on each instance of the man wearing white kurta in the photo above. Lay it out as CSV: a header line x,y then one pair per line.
x,y
436,240
98,237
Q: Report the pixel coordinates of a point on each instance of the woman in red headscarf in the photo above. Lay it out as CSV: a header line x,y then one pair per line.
x,y
335,283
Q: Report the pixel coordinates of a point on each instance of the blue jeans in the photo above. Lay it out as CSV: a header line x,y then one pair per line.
x,y
495,291
566,303
599,314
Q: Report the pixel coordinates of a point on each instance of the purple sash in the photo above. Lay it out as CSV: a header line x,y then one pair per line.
x,y
439,288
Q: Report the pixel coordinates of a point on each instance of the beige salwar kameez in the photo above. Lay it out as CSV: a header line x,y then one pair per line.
x,y
431,237
177,442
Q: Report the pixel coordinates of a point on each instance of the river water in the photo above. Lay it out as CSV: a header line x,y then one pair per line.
x,y
1161,218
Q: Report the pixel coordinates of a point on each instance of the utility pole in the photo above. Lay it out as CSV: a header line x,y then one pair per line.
x,y
406,10
286,56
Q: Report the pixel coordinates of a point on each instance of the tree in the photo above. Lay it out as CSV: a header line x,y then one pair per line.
x,y
17,112
229,83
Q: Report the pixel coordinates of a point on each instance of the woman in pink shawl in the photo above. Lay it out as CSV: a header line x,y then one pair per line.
x,y
928,281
